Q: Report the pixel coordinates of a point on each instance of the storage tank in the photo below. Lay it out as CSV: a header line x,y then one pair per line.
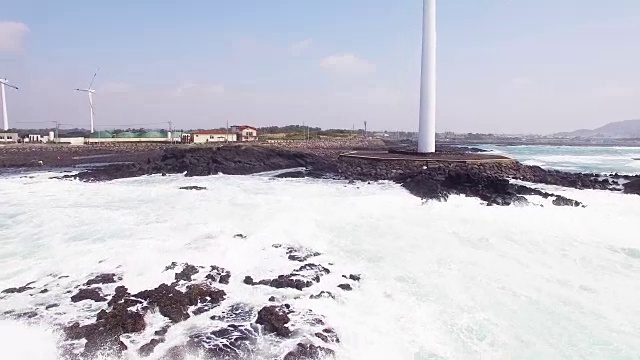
x,y
101,134
126,134
153,134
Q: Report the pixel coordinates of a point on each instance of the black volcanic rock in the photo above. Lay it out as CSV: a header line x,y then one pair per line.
x,y
120,293
299,279
103,336
488,181
300,254
292,175
491,186
218,274
204,294
202,161
174,304
193,187
425,187
353,277
563,201
88,294
328,336
115,326
19,290
147,349
306,351
632,187
323,294
274,319
102,279
286,281
171,302
187,272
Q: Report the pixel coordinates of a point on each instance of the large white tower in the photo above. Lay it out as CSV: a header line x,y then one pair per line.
x,y
5,116
427,125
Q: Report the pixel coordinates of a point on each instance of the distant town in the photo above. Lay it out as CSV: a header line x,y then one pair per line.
x,y
623,133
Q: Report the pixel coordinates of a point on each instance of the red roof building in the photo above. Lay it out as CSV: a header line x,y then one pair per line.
x,y
245,132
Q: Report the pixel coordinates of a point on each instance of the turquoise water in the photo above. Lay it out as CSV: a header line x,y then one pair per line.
x,y
575,158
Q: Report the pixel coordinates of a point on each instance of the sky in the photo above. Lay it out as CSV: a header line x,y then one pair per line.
x,y
504,66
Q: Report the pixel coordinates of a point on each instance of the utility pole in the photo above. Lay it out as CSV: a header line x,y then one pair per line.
x,y
304,131
57,138
365,129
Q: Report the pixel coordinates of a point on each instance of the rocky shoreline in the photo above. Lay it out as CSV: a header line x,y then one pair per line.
x,y
53,156
429,180
203,308
116,321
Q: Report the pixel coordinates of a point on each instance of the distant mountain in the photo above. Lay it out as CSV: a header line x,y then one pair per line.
x,y
614,130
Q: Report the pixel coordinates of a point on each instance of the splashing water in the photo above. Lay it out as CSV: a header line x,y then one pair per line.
x,y
454,280
20,341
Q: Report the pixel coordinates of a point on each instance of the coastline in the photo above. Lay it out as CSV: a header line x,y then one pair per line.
x,y
451,170
100,307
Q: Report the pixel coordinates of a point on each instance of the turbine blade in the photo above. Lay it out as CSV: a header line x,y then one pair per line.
x,y
94,78
11,86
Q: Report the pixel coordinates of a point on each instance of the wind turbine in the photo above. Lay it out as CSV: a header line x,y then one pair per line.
x,y
90,91
4,82
427,123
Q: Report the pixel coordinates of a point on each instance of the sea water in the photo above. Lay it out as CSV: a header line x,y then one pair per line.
x,y
440,280
592,159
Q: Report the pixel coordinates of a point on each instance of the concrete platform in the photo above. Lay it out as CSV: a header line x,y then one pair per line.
x,y
426,157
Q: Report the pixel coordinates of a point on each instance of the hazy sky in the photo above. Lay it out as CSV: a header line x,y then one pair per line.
x,y
504,65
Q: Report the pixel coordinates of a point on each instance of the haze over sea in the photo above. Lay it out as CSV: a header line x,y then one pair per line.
x,y
440,280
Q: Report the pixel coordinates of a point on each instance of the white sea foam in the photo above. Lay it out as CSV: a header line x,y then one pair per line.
x,y
20,341
454,280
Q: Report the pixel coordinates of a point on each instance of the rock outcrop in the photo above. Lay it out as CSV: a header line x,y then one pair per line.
x,y
238,330
488,181
303,277
632,187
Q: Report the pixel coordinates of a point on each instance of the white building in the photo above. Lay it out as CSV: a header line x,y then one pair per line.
x,y
35,138
203,137
71,140
245,133
8,138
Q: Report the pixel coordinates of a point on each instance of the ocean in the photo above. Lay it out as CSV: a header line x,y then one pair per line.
x,y
440,280
591,159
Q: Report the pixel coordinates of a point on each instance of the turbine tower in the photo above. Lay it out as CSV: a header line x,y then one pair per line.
x,y
3,83
90,91
427,124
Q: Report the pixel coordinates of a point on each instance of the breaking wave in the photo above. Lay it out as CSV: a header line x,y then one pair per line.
x,y
454,280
